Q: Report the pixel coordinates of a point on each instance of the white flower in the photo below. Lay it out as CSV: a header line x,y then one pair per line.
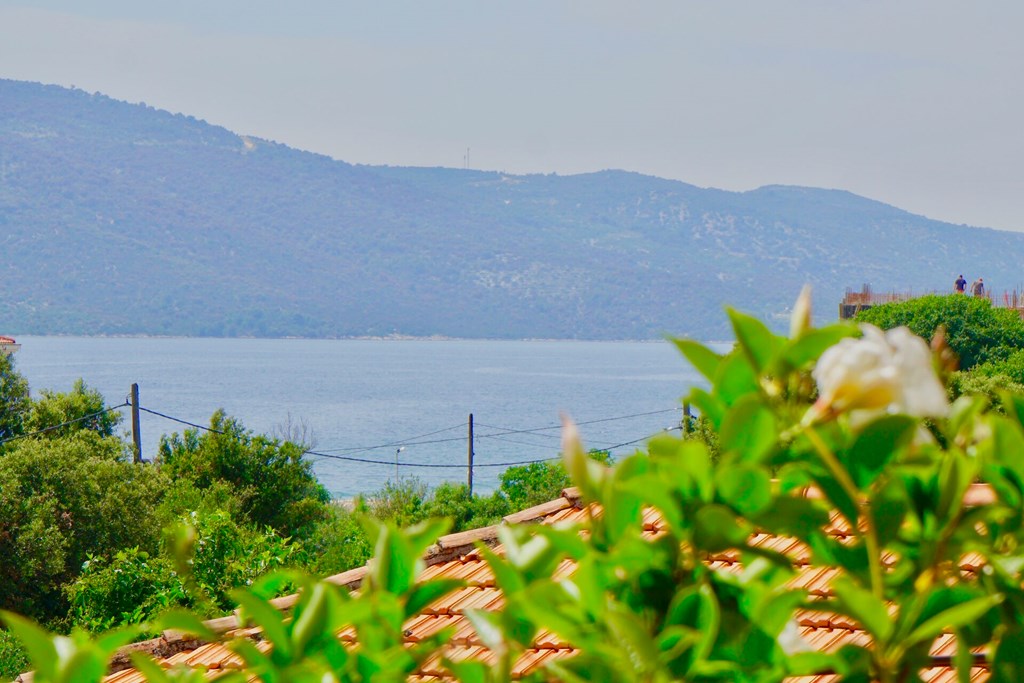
x,y
791,640
881,372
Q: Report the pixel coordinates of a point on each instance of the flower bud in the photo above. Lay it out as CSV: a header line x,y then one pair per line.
x,y
800,320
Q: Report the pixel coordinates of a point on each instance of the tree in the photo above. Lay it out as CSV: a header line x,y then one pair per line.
x,y
81,408
975,330
274,484
60,501
14,399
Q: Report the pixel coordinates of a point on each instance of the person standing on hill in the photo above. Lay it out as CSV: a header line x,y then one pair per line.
x,y
978,288
960,285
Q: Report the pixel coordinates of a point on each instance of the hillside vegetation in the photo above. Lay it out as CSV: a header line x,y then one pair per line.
x,y
117,218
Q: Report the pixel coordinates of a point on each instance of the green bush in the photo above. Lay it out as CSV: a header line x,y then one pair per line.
x,y
228,555
400,502
130,588
272,481
975,330
1010,368
14,399
62,500
54,408
13,657
453,501
539,482
336,544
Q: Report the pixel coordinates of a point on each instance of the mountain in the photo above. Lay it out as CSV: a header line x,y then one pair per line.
x,y
117,218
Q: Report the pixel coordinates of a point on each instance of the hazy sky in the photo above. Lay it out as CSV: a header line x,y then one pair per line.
x,y
917,103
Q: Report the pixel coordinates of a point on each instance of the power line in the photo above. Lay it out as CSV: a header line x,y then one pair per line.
x,y
579,424
499,436
180,421
63,424
364,449
642,438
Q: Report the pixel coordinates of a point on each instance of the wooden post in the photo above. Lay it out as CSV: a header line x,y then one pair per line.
x,y
469,455
136,434
686,418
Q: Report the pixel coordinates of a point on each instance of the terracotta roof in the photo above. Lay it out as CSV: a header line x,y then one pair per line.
x,y
456,556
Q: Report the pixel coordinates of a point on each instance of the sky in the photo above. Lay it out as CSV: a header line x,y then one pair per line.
x,y
916,103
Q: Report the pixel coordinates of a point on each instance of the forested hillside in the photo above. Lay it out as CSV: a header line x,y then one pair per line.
x,y
116,218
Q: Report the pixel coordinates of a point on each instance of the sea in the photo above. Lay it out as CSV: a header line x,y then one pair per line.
x,y
374,411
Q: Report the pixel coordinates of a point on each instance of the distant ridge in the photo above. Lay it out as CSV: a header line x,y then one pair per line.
x,y
117,218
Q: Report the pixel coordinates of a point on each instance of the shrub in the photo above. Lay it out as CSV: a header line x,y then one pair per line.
x,y
271,480
14,399
60,501
76,406
527,485
13,658
453,501
401,502
335,544
975,330
130,588
228,555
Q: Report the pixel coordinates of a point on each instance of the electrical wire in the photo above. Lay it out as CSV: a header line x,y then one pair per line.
x,y
180,421
395,463
63,424
578,424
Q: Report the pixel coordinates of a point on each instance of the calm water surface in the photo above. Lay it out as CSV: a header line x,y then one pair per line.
x,y
366,398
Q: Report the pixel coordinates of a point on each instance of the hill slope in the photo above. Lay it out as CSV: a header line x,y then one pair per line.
x,y
121,219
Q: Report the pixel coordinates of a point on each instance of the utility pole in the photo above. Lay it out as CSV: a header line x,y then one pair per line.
x,y
136,434
469,456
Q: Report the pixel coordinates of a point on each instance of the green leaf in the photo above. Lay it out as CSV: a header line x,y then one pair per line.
x,y
1007,444
794,516
807,348
888,509
38,644
735,379
716,528
506,576
876,445
711,408
709,621
310,620
424,534
186,622
1014,405
749,430
488,628
1008,662
628,632
956,473
393,568
703,359
622,506
425,593
745,487
468,671
837,495
863,606
264,615
685,465
810,663
954,617
758,342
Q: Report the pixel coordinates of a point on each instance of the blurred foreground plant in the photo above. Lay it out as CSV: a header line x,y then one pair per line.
x,y
839,438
